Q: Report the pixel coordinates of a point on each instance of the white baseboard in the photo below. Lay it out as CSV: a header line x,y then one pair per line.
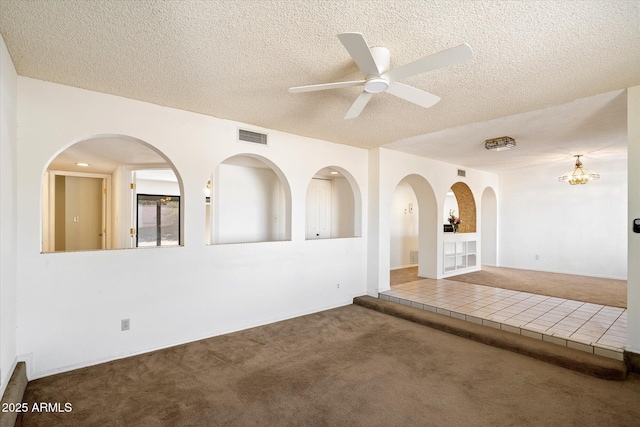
x,y
573,273
404,266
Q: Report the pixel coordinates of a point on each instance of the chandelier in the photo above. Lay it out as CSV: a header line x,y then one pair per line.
x,y
579,175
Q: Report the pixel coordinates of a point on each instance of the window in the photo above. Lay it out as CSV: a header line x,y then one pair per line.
x,y
158,220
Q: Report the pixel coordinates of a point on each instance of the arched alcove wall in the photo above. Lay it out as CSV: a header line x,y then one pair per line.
x,y
333,205
489,229
250,201
111,160
466,206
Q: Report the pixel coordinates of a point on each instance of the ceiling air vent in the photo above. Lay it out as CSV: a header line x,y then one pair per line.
x,y
252,137
462,173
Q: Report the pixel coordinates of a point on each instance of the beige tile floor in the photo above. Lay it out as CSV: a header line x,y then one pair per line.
x,y
589,327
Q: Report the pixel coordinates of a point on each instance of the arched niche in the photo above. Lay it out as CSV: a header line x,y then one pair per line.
x,y
249,201
333,205
94,197
426,217
466,207
489,221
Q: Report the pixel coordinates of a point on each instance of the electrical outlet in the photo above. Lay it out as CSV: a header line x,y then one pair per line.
x,y
338,286
124,325
537,257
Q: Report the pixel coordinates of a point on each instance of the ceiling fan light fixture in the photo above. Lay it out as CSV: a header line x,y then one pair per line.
x,y
374,62
376,85
500,144
579,175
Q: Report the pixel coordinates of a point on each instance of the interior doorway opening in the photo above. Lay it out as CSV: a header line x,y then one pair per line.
x,y
404,227
78,211
414,228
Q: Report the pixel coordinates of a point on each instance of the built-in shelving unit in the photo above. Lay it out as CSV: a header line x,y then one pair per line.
x,y
459,255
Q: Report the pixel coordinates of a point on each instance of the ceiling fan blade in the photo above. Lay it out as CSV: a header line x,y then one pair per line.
x,y
445,58
358,105
359,51
325,86
412,94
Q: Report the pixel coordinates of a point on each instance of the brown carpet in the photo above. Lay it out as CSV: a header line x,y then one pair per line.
x,y
344,367
580,288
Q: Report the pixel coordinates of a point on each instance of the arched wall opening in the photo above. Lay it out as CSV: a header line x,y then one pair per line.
x,y
90,196
249,201
418,226
489,221
466,206
333,205
404,227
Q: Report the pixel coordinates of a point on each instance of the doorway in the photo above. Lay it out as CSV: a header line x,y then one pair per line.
x,y
413,231
404,227
78,212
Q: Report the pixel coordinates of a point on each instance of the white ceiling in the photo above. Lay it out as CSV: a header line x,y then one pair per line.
x,y
536,70
104,154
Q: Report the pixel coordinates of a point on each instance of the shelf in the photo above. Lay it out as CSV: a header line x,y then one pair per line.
x,y
459,255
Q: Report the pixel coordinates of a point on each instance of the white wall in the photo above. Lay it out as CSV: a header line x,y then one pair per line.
x,y
404,225
8,216
633,284
387,168
121,216
342,209
575,229
248,205
70,304
160,188
489,228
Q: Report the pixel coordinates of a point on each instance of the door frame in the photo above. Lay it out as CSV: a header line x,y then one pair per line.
x,y
48,244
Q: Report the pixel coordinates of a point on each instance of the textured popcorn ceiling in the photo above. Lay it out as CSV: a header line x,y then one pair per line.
x,y
236,60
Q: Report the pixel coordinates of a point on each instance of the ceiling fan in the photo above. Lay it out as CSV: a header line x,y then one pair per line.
x,y
374,62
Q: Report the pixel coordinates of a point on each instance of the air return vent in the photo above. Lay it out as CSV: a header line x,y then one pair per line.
x,y
252,137
462,173
413,257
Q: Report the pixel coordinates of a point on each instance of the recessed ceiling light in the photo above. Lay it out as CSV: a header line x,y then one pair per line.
x,y
334,173
82,164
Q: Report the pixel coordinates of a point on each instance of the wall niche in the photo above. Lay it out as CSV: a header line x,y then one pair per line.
x,y
466,207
